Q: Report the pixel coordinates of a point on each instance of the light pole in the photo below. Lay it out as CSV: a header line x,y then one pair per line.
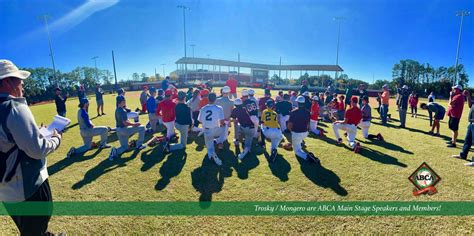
x,y
192,46
115,72
184,27
45,18
339,19
461,14
163,70
95,64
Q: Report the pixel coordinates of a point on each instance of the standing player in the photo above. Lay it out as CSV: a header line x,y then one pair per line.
x,y
366,118
283,109
125,129
313,124
270,128
151,108
99,98
167,110
212,118
413,101
299,125
245,127
88,130
60,102
352,118
232,83
262,102
251,107
144,98
227,105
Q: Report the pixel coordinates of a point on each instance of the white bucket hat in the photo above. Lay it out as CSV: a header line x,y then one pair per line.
x,y
226,89
8,69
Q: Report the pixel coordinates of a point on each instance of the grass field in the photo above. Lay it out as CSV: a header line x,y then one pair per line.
x,y
378,173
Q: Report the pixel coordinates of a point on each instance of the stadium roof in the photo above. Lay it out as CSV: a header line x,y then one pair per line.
x,y
218,62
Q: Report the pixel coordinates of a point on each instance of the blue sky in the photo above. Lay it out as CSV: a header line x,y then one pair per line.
x,y
145,34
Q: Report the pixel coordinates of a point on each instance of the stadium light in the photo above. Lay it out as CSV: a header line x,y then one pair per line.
x,y
339,19
163,70
461,14
184,27
45,19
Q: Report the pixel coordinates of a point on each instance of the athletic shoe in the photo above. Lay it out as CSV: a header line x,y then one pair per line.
x,y
451,145
469,164
98,114
242,155
431,133
113,154
71,152
357,148
140,147
216,159
312,158
436,135
339,141
449,142
104,146
459,157
380,137
273,155
103,114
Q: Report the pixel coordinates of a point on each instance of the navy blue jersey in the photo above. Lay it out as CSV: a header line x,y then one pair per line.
x,y
283,108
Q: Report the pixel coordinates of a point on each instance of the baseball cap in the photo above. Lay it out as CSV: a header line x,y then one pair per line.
x,y
354,99
83,101
315,98
306,93
8,69
168,92
269,103
238,102
160,91
366,98
457,87
251,92
120,91
245,93
226,89
152,90
181,95
145,87
204,92
120,99
300,99
385,86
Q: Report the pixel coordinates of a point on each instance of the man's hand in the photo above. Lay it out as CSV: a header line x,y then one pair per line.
x,y
55,134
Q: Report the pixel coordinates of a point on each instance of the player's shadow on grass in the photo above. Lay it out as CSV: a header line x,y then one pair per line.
x,y
387,145
66,162
322,177
207,180
279,168
151,157
171,167
102,168
383,158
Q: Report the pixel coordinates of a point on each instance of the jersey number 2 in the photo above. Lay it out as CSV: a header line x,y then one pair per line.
x,y
208,115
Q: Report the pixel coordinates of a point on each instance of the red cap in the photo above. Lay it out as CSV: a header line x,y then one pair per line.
x,y
204,92
354,99
145,87
168,92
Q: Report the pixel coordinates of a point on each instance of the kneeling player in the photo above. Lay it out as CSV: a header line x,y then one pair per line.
x,y
270,127
352,118
125,129
243,125
366,118
212,118
88,130
299,126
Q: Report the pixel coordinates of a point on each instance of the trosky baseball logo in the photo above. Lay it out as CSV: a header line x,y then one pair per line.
x,y
424,178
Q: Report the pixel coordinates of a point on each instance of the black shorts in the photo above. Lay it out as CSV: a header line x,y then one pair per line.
x,y
454,123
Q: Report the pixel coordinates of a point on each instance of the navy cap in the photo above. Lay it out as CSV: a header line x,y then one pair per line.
x,y
152,90
120,99
83,101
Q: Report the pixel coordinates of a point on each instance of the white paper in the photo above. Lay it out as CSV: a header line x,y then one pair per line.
x,y
59,123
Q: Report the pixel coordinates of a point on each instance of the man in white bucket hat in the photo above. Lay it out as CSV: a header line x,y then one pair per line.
x,y
23,151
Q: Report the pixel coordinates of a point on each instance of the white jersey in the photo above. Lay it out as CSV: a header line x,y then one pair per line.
x,y
210,116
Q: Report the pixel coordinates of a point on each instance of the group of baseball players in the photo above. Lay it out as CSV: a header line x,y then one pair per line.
x,y
203,112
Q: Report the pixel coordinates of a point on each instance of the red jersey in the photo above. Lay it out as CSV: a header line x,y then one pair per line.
x,y
341,106
456,106
314,111
203,102
353,116
262,103
166,109
232,83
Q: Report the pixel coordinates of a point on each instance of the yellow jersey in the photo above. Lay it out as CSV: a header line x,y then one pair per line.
x,y
269,118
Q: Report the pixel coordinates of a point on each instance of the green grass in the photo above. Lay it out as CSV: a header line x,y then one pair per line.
x,y
380,173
